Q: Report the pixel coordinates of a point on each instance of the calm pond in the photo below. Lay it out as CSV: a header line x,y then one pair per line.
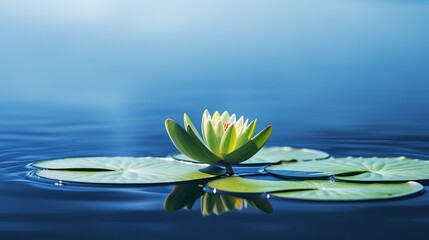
x,y
98,78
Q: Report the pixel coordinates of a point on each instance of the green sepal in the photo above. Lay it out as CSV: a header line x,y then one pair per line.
x,y
187,121
188,145
250,148
203,144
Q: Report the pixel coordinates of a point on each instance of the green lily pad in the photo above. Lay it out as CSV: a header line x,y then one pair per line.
x,y
320,190
124,170
324,190
252,186
277,154
357,169
273,155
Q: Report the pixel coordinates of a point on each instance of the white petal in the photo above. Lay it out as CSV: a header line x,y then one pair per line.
x,y
239,125
246,123
218,127
206,118
232,119
224,117
206,113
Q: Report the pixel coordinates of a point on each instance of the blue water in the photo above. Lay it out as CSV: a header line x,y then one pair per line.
x,y
98,78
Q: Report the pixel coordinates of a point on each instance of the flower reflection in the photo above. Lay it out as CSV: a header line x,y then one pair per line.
x,y
185,195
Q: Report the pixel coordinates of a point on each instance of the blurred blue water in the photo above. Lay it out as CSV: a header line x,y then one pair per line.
x,y
98,78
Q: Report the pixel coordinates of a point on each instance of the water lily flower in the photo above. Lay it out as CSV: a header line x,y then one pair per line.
x,y
224,139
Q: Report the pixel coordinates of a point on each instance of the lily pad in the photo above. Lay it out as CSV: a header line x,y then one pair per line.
x,y
273,155
252,186
124,170
324,190
320,190
357,169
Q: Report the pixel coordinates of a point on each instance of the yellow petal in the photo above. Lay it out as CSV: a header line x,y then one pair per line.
x,y
229,139
211,138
